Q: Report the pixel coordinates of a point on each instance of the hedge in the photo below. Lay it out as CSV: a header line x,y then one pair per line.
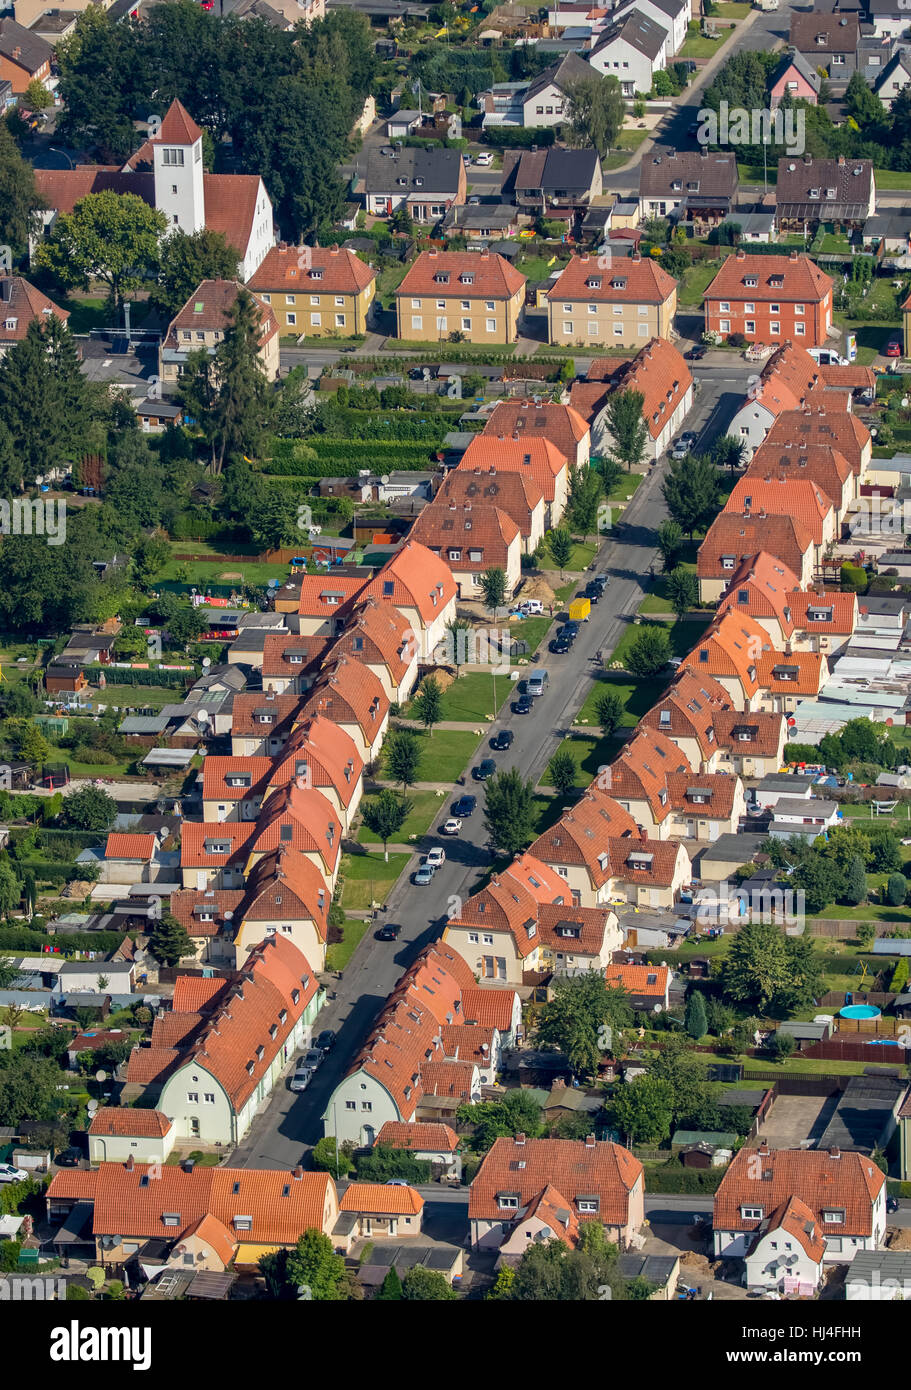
x,y
672,1178
344,456
899,976
23,939
54,870
518,137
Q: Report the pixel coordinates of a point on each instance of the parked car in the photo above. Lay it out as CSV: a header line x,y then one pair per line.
x,y
474,201
422,877
891,1204
531,606
484,159
485,768
536,682
503,740
389,932
435,856
313,1058
695,354
569,630
326,1039
452,826
301,1079
69,1158
8,1173
464,806
524,705
559,645
894,347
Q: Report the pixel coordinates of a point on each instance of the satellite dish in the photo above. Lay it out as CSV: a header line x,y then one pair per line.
x,y
92,1106
202,716
229,916
101,1076
206,662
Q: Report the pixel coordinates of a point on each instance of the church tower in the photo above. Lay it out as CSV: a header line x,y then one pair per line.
x,y
177,156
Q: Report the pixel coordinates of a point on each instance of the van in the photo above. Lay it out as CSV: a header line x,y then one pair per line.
x,y
536,682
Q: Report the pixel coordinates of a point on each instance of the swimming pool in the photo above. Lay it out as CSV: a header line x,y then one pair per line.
x,y
860,1011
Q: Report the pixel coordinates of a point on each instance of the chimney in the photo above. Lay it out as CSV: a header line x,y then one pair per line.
x,y
298,1173
741,254
129,1165
841,161
808,160
589,1141
520,1140
834,1152
485,254
636,256
763,1147
793,256
17,52
187,1165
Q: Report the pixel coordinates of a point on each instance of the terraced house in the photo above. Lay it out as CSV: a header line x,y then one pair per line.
x,y
316,290
620,305
476,294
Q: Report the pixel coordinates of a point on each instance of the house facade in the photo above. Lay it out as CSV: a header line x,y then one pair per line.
x,y
476,294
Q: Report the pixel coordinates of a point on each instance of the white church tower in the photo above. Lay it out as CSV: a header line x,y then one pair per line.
x,y
177,157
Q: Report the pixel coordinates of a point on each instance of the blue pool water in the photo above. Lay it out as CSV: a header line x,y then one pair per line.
x,y
860,1011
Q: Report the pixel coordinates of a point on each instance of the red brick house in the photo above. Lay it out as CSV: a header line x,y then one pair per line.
x,y
770,299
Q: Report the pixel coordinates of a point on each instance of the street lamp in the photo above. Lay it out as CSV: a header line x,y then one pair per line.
x,y
55,150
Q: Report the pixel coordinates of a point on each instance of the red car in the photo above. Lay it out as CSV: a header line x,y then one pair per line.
x,y
894,348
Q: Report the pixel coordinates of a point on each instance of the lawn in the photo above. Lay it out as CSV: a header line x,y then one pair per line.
x,y
590,754
426,807
119,769
698,47
892,178
531,630
638,697
683,634
368,878
548,809
657,601
583,552
340,952
754,173
832,245
696,281
140,696
86,314
201,573
323,342
473,697
631,139
446,755
539,267
388,282
728,9
479,350
624,488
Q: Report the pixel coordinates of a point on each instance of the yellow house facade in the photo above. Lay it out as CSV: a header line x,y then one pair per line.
x,y
622,304
316,291
477,294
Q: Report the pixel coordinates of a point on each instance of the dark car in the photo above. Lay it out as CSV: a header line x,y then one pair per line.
x,y
891,1204
502,740
695,354
559,645
600,581
464,806
69,1158
593,592
569,630
326,1040
389,932
485,768
524,705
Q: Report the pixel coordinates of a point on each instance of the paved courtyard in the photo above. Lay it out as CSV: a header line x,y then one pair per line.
x,y
794,1119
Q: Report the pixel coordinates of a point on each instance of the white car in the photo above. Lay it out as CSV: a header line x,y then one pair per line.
x,y
485,159
451,827
434,857
10,1174
531,606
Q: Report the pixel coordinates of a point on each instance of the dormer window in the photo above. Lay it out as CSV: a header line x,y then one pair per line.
x,y
751,281
442,277
619,283
316,275
814,192
593,282
11,325
467,277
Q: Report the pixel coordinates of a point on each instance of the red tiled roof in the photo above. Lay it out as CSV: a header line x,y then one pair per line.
x,y
731,647
130,1122
660,373
172,1029
231,201
578,837
323,753
190,906
804,282
349,693
796,1220
534,457
574,1168
494,277
217,770
341,271
561,424
819,425
216,1235
468,1043
490,1008
62,189
639,979
719,787
125,846
178,127
331,595
287,885
197,992
279,647
414,578
799,498
299,818
514,493
761,588
734,536
591,924
849,1182
193,837
812,670
641,770
645,862
843,606
378,635
551,1207
381,1199
132,1201
635,280
217,298
444,1078
418,1137
249,705
23,304
765,732
469,528
826,467
688,709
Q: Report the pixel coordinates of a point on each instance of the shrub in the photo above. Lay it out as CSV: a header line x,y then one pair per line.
x,y
737,340
854,578
899,976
